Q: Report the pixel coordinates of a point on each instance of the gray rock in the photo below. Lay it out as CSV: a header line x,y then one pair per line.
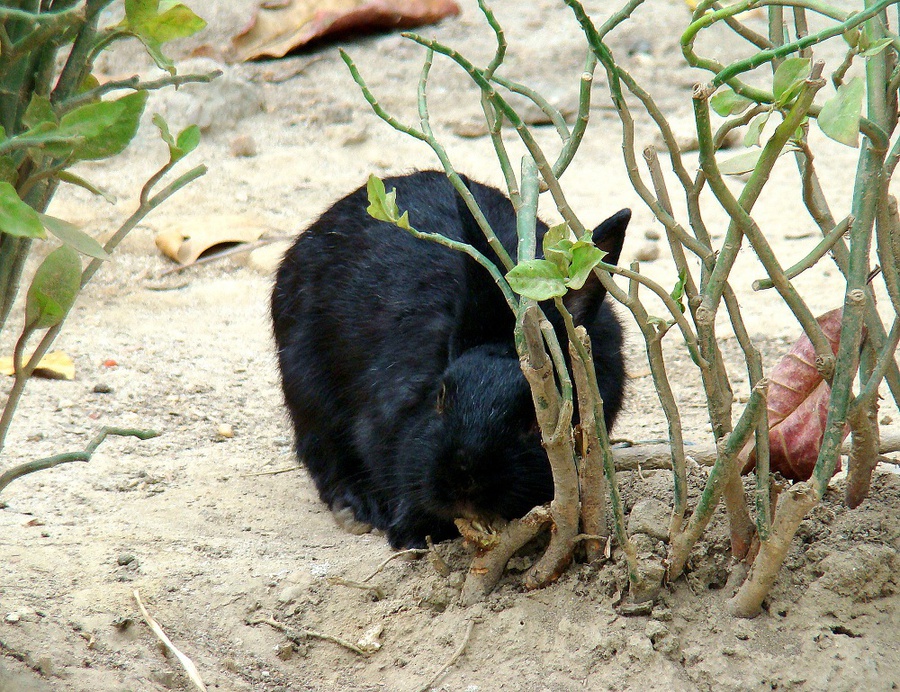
x,y
650,517
648,252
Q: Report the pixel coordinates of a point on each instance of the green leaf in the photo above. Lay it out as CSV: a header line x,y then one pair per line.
x,y
876,48
9,171
537,279
383,206
90,121
178,21
87,84
852,36
53,289
39,111
139,12
16,217
561,255
789,79
164,132
72,179
754,130
839,117
742,163
156,23
728,102
554,235
119,133
74,237
678,292
584,259
188,139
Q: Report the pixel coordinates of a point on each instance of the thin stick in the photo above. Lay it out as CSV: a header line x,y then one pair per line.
x,y
300,634
187,663
394,556
453,659
376,592
271,473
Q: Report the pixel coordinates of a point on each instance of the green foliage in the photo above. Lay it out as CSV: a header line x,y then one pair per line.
x,y
16,217
53,289
727,102
155,23
839,117
678,291
53,114
788,80
383,205
74,237
567,264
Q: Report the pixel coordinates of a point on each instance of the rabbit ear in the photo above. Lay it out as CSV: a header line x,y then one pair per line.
x,y
609,237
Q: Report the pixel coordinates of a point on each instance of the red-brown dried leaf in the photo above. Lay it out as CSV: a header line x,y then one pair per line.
x,y
798,405
278,29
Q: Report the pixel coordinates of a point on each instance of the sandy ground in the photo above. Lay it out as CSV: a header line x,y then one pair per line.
x,y
212,541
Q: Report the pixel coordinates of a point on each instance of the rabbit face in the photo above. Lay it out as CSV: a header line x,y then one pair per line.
x,y
486,460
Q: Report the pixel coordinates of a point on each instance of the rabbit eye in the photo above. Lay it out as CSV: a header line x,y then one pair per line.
x,y
442,395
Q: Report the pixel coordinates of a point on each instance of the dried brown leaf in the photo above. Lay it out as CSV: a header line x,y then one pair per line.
x,y
278,29
798,405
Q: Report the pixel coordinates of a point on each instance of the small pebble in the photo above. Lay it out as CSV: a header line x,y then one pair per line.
x,y
225,430
285,651
470,129
243,146
652,234
291,593
102,388
886,420
647,252
124,559
12,618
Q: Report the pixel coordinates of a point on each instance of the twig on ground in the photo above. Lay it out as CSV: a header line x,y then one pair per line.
x,y
376,592
187,663
394,556
274,472
453,659
298,635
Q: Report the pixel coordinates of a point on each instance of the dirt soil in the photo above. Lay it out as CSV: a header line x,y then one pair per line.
x,y
213,538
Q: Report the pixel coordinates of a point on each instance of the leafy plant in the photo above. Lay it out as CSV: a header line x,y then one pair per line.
x,y
578,511
54,113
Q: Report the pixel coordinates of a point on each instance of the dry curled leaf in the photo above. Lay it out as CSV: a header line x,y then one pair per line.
x,y
798,405
186,240
279,28
55,365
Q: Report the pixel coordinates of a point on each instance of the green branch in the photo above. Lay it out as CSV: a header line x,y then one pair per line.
x,y
15,472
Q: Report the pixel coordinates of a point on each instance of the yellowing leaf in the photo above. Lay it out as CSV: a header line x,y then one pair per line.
x,y
55,365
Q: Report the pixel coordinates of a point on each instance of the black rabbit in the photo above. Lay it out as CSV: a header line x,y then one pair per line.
x,y
399,369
